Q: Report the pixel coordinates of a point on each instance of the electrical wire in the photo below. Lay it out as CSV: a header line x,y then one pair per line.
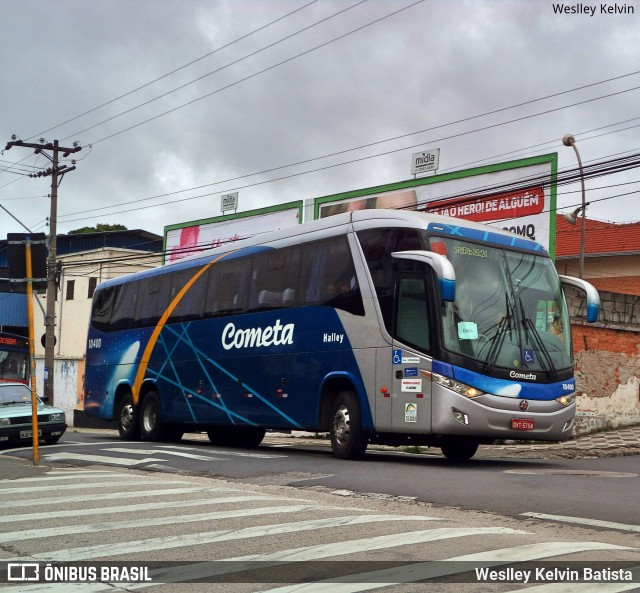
x,y
145,85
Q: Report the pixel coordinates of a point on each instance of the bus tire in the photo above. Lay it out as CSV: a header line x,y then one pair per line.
x,y
459,448
348,440
128,426
151,427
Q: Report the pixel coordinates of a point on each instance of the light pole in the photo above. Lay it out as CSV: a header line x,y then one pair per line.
x,y
569,140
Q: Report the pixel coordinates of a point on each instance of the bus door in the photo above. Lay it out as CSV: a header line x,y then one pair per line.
x,y
410,367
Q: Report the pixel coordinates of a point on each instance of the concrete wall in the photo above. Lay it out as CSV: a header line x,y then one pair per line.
x,y
68,378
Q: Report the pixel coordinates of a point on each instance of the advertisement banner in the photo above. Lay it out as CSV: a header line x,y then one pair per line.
x,y
518,196
188,238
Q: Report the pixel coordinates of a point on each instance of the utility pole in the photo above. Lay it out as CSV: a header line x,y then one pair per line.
x,y
57,173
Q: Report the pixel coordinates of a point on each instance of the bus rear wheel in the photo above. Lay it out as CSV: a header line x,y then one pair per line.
x,y
348,440
128,419
459,448
151,427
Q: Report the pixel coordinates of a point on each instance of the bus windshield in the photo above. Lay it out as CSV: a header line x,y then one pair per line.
x,y
509,312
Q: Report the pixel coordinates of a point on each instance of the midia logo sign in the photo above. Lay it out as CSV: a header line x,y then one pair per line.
x,y
273,335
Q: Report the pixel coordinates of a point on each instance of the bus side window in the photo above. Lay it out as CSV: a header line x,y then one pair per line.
x,y
412,314
101,309
189,307
124,306
152,302
331,277
227,288
377,247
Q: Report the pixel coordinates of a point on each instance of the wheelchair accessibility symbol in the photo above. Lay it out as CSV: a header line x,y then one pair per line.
x,y
397,357
528,355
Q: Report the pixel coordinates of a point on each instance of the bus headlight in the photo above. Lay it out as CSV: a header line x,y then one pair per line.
x,y
456,386
566,400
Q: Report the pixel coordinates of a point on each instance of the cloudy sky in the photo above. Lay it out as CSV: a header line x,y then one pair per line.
x,y
191,99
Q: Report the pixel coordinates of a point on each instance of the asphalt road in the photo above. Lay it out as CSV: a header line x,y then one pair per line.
x,y
584,491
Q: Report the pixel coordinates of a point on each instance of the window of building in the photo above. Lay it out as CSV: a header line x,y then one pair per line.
x,y
71,286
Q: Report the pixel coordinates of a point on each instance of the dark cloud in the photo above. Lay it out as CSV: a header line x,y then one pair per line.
x,y
434,63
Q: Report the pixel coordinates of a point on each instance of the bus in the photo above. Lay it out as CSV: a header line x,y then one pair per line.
x,y
375,326
14,358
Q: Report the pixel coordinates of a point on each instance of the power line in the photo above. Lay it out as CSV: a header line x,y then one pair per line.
x,y
215,72
337,153
175,70
272,67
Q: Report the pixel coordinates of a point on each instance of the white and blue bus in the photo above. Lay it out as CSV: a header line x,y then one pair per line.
x,y
377,326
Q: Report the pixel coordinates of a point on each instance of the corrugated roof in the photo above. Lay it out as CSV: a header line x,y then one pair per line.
x,y
601,238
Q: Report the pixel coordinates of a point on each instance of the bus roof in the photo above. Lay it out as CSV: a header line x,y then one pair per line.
x,y
360,219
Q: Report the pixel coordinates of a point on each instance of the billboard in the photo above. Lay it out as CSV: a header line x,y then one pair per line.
x,y
518,196
185,239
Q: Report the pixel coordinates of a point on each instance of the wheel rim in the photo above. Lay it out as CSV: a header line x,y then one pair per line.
x,y
341,425
149,418
126,417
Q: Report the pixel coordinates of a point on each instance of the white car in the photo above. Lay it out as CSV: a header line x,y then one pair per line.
x,y
16,416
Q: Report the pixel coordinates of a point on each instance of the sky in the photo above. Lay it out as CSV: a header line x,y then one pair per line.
x,y
177,102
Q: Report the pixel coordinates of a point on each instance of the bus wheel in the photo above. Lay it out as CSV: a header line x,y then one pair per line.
x,y
151,427
348,440
128,419
459,448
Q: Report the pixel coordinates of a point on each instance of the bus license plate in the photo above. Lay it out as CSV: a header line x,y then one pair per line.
x,y
522,424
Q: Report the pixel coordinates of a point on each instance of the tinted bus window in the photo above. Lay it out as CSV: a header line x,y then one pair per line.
x,y
191,305
124,306
153,300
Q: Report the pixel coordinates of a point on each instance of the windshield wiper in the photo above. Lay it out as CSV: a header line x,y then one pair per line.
x,y
530,328
498,339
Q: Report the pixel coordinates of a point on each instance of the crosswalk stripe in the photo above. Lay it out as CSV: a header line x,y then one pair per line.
x,y
121,495
581,521
227,452
25,534
125,461
164,452
147,506
122,549
54,476
125,481
428,570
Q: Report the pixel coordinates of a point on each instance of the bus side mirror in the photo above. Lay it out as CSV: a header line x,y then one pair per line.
x,y
440,265
593,298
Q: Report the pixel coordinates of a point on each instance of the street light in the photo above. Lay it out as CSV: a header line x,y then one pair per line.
x,y
569,140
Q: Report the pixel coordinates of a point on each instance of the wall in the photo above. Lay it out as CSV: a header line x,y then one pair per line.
x,y
67,384
607,361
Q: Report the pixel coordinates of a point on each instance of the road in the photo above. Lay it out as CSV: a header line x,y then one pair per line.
x,y
238,519
602,489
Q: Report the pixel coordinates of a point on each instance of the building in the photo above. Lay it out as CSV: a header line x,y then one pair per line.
x,y
85,261
607,353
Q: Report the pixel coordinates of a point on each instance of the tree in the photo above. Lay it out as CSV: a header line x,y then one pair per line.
x,y
99,228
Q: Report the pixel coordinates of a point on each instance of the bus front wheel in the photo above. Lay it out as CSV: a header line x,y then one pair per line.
x,y
348,440
459,448
128,419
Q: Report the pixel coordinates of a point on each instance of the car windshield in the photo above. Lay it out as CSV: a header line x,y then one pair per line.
x,y
509,310
14,394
